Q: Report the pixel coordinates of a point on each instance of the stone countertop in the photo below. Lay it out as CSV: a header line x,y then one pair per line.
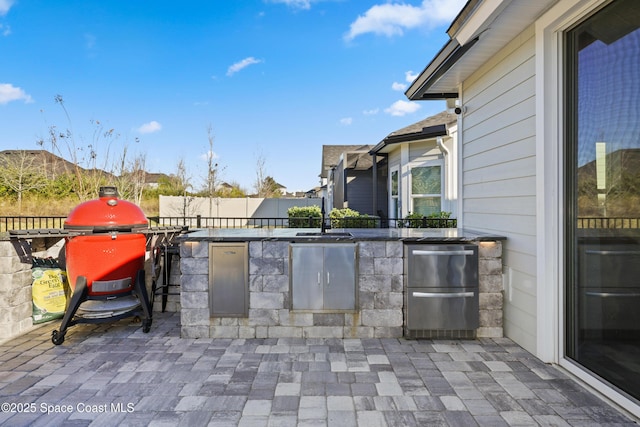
x,y
408,235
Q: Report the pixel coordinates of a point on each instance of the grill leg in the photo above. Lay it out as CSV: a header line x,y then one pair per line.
x,y
79,296
168,259
141,289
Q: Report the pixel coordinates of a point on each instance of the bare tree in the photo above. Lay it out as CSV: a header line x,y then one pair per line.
x,y
88,173
264,185
183,184
260,175
131,176
20,174
212,170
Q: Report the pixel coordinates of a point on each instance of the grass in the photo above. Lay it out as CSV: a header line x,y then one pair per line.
x,y
40,206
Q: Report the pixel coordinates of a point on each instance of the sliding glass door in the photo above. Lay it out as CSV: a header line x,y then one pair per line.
x,y
602,211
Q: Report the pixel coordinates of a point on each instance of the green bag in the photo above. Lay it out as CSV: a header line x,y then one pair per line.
x,y
49,290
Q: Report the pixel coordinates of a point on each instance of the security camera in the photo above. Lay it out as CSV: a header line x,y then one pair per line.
x,y
457,110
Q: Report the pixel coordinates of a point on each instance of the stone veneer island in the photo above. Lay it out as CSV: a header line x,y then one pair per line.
x,y
379,307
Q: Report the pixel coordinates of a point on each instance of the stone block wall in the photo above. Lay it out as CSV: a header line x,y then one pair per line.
x,y
379,297
491,289
16,306
381,281
15,289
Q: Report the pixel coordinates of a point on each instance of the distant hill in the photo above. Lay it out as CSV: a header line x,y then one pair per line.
x,y
54,165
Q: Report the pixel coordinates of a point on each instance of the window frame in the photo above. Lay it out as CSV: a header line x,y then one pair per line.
x,y
426,164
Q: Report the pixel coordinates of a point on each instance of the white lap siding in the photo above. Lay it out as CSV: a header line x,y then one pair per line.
x,y
498,173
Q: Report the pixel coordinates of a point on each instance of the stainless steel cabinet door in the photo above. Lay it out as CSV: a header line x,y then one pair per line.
x,y
307,277
228,279
339,275
323,276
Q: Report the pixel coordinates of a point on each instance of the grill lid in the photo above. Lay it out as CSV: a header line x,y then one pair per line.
x,y
106,214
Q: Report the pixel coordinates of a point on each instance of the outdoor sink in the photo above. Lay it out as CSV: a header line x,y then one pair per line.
x,y
325,234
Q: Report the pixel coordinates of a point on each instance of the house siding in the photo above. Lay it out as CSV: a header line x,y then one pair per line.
x,y
359,189
423,151
499,173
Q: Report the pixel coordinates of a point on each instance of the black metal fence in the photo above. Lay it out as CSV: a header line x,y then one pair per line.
x,y
303,222
32,222
609,223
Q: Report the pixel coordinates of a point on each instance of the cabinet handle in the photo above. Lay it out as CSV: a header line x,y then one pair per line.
x,y
442,294
328,279
319,283
437,252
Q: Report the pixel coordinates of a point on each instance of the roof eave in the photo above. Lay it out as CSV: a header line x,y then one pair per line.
x,y
448,56
425,133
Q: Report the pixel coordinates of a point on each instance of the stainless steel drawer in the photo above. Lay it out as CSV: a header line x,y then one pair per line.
x,y
443,308
452,266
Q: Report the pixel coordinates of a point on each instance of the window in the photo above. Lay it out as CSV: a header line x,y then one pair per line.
x,y
602,187
426,189
394,209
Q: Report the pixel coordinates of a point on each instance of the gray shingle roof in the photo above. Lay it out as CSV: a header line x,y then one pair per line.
x,y
331,155
442,118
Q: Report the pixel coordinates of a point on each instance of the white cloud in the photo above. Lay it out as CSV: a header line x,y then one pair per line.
x,y
410,76
5,5
371,112
398,86
392,19
346,121
150,127
9,93
242,64
296,4
402,108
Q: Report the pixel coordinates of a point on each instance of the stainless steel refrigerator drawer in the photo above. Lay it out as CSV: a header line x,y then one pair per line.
x,y
442,308
452,265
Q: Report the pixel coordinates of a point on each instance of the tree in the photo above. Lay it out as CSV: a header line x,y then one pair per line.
x,y
211,181
260,174
264,185
271,188
19,174
131,177
91,166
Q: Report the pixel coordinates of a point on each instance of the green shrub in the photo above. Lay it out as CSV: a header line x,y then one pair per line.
x,y
304,216
349,218
435,220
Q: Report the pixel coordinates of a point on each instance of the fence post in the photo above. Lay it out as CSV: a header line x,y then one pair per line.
x,y
198,221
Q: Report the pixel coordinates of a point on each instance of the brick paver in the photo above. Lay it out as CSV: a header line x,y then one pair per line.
x,y
113,374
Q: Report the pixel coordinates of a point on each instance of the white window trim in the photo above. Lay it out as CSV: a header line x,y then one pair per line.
x,y
422,164
395,214
550,30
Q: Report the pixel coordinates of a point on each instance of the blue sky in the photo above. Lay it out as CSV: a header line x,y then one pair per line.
x,y
274,79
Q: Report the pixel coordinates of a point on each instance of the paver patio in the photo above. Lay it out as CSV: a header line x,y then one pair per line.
x,y
114,374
